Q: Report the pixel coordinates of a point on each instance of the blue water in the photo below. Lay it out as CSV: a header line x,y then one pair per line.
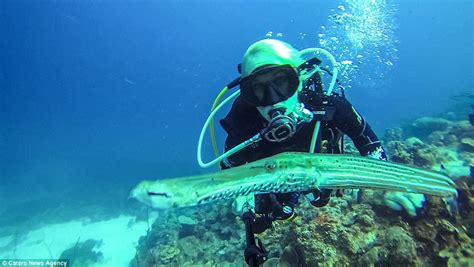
x,y
102,94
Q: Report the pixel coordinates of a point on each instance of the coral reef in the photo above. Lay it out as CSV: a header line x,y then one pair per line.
x,y
343,233
211,236
434,142
426,125
349,231
393,134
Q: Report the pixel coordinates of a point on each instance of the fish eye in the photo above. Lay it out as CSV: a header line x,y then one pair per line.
x,y
270,166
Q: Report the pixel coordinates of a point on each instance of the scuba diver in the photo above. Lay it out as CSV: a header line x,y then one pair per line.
x,y
283,107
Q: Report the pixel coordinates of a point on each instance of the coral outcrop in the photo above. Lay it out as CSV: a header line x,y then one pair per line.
x,y
349,231
435,143
343,233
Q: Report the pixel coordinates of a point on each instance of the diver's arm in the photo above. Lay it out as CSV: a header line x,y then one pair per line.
x,y
241,123
243,156
236,159
356,127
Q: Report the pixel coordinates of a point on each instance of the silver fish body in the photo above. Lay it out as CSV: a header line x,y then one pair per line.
x,y
293,172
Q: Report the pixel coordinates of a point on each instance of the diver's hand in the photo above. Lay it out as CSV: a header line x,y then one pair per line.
x,y
402,200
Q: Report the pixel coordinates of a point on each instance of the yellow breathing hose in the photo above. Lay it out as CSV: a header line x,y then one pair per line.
x,y
211,124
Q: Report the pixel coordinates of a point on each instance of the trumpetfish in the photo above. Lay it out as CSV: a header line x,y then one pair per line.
x,y
293,172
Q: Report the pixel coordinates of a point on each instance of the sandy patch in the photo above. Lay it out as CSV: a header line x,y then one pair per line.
x,y
119,238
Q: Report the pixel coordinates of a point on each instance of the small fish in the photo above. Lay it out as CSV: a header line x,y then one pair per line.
x,y
464,96
293,172
129,81
452,206
71,18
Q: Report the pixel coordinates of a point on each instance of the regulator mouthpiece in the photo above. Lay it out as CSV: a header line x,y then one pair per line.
x,y
282,127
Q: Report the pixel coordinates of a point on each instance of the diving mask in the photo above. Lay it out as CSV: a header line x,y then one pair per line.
x,y
269,85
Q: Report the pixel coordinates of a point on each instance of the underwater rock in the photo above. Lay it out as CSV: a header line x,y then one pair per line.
x,y
468,157
166,253
452,116
458,257
289,257
438,228
370,257
467,144
436,138
461,127
424,126
401,247
272,262
452,147
450,140
84,254
413,152
425,157
466,202
204,237
190,247
185,220
367,220
188,226
398,152
393,134
413,143
343,233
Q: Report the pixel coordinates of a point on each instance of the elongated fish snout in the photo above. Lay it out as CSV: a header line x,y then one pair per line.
x,y
153,195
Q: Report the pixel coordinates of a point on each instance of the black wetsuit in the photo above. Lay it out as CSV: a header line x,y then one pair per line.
x,y
340,117
244,121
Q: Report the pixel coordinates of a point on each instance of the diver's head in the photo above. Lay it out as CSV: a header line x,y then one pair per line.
x,y
271,82
153,195
269,52
270,76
